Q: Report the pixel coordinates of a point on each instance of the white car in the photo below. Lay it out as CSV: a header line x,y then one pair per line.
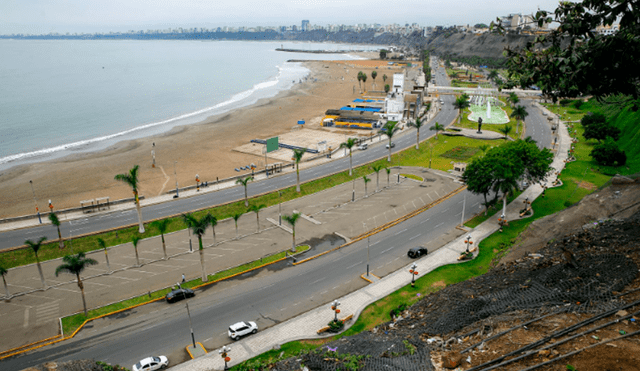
x,y
151,363
242,328
392,145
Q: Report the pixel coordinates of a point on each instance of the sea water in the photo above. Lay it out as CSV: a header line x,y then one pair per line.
x,y
66,96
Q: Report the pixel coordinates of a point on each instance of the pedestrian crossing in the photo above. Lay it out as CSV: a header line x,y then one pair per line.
x,y
48,312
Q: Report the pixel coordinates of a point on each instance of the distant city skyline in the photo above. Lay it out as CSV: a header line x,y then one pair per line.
x,y
91,16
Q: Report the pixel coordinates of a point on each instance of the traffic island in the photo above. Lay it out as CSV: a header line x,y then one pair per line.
x,y
197,351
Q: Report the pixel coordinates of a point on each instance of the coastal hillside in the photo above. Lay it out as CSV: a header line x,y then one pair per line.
x,y
469,45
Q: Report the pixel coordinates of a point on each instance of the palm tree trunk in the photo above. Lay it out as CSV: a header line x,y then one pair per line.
x,y
293,244
350,163
486,205
504,204
258,222
44,285
417,139
84,302
236,229
297,178
137,258
214,234
106,256
6,288
246,198
377,181
60,237
139,210
164,247
389,158
205,278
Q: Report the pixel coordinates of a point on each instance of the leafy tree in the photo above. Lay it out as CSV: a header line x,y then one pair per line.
x,y
366,180
519,113
609,154
478,176
505,130
103,246
384,78
132,180
492,75
292,219
600,131
374,74
198,227
364,80
387,88
214,221
377,169
297,157
256,209
75,264
571,60
383,54
592,118
244,183
3,272
235,217
55,221
360,74
349,145
390,128
134,241
437,127
162,226
35,246
513,99
417,124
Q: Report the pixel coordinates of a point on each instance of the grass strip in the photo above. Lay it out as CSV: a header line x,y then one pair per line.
x,y
72,323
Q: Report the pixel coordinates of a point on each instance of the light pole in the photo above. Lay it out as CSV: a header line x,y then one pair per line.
x,y
197,183
224,354
190,243
502,221
334,307
193,339
175,174
414,273
280,208
353,193
464,202
35,201
468,242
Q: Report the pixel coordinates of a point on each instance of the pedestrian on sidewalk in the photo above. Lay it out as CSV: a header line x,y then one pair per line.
x,y
183,279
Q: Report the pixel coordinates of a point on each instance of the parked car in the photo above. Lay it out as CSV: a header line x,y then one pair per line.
x,y
392,145
151,364
417,252
179,294
363,146
240,329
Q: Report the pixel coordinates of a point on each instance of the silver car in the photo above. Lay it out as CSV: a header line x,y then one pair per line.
x,y
151,364
240,329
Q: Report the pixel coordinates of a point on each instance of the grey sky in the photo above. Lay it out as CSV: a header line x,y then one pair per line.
x,y
44,16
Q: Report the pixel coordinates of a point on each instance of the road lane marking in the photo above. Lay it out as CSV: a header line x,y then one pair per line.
x,y
384,251
316,281
400,232
438,225
353,265
414,237
424,221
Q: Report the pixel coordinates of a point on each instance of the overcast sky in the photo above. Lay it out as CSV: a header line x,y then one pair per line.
x,y
44,16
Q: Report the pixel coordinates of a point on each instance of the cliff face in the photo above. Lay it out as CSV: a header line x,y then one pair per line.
x,y
468,45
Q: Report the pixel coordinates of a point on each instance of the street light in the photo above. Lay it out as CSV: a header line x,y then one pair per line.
x,y
468,242
414,273
197,183
193,339
353,193
280,208
35,201
224,354
334,307
175,174
502,221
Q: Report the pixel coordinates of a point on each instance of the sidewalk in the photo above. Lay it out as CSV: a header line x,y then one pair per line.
x,y
306,325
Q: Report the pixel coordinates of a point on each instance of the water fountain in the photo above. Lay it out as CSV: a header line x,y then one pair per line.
x,y
488,108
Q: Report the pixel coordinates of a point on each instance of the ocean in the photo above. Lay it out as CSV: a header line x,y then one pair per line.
x,y
62,96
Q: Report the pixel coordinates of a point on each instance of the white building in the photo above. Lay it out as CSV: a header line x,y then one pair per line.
x,y
394,102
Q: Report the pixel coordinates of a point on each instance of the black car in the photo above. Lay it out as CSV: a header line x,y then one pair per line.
x,y
179,294
417,252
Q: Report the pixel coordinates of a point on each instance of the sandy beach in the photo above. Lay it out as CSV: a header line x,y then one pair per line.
x,y
206,148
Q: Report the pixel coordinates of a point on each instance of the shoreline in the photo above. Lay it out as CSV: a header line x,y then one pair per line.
x,y
204,148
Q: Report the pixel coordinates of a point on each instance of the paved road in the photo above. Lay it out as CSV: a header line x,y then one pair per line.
x,y
117,219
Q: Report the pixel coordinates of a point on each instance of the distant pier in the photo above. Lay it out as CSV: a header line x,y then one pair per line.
x,y
319,51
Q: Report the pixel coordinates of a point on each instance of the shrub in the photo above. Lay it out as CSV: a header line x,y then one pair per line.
x,y
592,118
577,104
609,154
336,326
565,102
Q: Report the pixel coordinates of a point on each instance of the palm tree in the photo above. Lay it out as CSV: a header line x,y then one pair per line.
x,y
437,127
75,264
384,78
349,145
360,79
4,272
235,217
256,209
390,128
297,157
484,148
388,174
417,124
366,180
387,88
244,183
292,219
377,169
132,180
198,227
364,80
513,98
162,226
103,246
214,221
505,130
374,74
492,75
519,113
35,246
55,221
461,103
134,241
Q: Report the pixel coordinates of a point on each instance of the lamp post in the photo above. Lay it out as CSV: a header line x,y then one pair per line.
x,y
50,206
224,353
175,174
502,221
353,193
197,183
280,208
414,273
35,201
468,242
153,155
334,308
193,339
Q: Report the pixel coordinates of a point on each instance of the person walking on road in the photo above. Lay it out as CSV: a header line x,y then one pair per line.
x,y
183,279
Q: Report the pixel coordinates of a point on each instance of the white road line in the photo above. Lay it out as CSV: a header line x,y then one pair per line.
x,y
400,232
439,225
375,243
414,237
353,265
424,221
324,292
384,251
444,211
316,281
